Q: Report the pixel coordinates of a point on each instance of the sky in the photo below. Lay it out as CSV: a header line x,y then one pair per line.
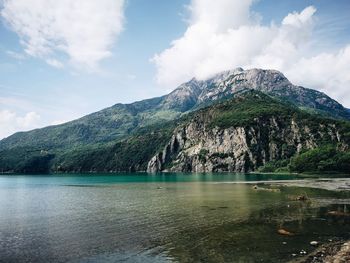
x,y
61,60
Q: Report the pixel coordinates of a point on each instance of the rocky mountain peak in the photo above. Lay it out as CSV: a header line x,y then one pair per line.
x,y
183,98
194,93
222,76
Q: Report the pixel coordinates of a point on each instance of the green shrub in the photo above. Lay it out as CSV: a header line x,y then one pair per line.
x,y
322,159
202,155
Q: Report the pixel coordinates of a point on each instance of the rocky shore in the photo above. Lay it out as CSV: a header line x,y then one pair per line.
x,y
331,184
333,252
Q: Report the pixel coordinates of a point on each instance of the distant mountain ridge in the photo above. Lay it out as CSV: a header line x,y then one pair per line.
x,y
127,137
248,132
119,121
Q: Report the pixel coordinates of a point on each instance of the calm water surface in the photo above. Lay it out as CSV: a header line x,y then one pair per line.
x,y
162,218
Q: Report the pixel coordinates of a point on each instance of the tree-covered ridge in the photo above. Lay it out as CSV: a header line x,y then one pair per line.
x,y
110,124
247,108
121,120
131,154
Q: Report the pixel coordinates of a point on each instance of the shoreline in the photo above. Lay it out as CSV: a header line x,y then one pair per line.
x,y
331,184
334,251
301,175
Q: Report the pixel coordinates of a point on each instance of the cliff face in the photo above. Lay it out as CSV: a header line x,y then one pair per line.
x,y
198,147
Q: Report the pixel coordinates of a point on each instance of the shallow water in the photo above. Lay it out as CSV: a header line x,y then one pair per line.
x,y
162,218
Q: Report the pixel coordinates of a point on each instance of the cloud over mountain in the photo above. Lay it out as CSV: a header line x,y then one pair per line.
x,y
226,34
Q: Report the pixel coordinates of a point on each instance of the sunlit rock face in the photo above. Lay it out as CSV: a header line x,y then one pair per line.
x,y
197,149
198,92
198,146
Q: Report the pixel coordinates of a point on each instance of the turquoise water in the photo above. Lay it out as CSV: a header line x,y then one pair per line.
x,y
162,218
95,179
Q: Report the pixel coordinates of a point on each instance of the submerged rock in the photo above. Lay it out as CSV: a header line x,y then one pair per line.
x,y
284,232
338,214
275,190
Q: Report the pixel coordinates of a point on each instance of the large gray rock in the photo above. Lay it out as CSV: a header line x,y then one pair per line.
x,y
271,82
196,147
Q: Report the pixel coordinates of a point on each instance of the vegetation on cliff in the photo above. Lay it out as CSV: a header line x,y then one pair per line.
x,y
323,159
119,121
250,131
248,109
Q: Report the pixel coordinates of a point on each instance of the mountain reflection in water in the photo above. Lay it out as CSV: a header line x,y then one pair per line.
x,y
198,221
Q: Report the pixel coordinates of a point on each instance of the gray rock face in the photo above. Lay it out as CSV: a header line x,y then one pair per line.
x,y
183,98
271,82
197,148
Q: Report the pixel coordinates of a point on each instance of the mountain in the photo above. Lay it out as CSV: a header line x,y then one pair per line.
x,y
125,128
245,133
118,121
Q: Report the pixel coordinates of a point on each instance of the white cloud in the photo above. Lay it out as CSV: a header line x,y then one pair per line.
x,y
225,34
82,30
11,122
15,55
328,72
221,14
55,63
301,19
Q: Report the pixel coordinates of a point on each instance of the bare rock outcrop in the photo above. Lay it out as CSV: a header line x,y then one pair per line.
x,y
197,147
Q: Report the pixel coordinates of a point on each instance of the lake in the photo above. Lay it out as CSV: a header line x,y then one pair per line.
x,y
164,218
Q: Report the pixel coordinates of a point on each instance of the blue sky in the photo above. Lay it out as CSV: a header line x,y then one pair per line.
x,y
135,57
